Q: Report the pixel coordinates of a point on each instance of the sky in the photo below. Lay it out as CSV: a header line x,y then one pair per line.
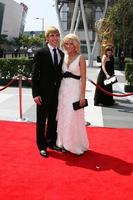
x,y
39,9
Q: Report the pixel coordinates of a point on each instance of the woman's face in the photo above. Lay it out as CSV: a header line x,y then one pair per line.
x,y
69,46
109,53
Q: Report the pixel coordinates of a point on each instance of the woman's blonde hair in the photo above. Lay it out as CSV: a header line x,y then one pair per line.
x,y
108,48
75,40
50,30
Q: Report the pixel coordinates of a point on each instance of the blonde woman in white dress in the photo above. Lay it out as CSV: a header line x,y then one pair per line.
x,y
71,130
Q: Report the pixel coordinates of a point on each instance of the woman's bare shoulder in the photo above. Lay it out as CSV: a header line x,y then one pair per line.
x,y
81,57
104,58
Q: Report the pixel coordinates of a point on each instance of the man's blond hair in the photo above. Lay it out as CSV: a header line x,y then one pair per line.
x,y
50,30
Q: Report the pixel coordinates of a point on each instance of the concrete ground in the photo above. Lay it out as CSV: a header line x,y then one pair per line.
x,y
118,116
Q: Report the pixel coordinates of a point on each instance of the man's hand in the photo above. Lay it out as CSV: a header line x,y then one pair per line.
x,y
38,100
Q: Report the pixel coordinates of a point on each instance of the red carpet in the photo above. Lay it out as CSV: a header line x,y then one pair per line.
x,y
104,173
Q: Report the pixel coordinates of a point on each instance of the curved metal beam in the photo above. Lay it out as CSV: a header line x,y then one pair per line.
x,y
77,22
59,18
74,16
86,31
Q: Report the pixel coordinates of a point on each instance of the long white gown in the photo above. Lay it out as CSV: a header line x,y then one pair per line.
x,y
71,130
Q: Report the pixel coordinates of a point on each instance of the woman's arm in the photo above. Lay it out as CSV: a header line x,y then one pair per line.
x,y
82,65
104,59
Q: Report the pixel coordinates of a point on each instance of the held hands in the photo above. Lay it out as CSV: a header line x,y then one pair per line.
x,y
38,100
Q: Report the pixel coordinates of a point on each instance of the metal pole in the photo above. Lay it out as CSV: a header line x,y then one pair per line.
x,y
20,100
20,97
42,25
59,18
74,16
86,31
77,23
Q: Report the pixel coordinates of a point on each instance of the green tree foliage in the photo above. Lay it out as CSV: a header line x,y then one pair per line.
x,y
24,40
29,41
121,15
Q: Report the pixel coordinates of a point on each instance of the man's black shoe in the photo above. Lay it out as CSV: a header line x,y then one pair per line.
x,y
56,148
44,153
87,123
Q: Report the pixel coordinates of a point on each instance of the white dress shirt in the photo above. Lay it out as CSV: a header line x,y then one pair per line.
x,y
52,52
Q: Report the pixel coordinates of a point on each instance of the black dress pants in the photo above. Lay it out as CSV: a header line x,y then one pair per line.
x,y
46,125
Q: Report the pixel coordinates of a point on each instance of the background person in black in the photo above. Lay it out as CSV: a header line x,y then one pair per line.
x,y
122,60
107,70
46,77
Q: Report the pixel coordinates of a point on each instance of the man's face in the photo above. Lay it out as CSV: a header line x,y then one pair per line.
x,y
53,39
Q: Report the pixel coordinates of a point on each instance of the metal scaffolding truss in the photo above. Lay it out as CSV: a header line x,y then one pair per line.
x,y
78,11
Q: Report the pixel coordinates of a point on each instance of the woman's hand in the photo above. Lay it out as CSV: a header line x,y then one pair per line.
x,y
107,76
82,102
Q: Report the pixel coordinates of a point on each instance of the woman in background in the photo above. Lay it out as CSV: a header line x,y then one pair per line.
x,y
107,70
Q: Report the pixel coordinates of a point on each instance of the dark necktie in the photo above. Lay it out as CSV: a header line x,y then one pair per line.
x,y
55,58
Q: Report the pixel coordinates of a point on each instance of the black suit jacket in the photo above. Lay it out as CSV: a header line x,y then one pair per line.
x,y
45,77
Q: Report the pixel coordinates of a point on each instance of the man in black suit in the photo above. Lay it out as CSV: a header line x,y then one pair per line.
x,y
46,78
